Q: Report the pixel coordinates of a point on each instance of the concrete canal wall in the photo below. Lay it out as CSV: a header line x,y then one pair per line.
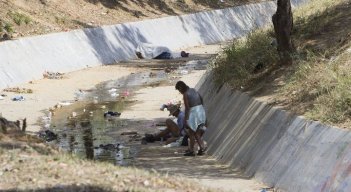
x,y
284,151
27,58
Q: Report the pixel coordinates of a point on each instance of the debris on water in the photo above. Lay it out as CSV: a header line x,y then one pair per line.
x,y
113,90
79,94
48,135
109,147
114,94
111,114
74,114
129,133
126,93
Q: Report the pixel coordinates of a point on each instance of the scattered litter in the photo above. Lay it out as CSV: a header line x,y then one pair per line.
x,y
183,72
174,144
152,74
18,98
112,114
65,103
18,90
52,75
129,133
163,107
112,90
110,147
267,189
126,93
48,135
1,98
123,153
114,94
79,94
168,69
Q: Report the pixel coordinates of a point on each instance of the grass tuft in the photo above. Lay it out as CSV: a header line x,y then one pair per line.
x,y
19,18
238,62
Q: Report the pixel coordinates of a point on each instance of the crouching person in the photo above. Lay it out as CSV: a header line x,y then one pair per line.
x,y
174,130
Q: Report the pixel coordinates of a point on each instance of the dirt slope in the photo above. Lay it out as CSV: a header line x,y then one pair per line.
x,y
31,17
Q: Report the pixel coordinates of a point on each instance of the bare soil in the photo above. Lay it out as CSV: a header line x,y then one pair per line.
x,y
48,16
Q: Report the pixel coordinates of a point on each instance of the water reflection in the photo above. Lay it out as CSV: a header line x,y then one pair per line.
x,y
84,130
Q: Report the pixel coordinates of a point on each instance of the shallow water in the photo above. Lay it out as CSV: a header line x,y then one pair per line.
x,y
82,128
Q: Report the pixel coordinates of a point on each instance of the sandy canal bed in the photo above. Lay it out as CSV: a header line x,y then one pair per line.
x,y
49,92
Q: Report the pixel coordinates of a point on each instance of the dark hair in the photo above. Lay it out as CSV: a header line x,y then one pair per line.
x,y
180,84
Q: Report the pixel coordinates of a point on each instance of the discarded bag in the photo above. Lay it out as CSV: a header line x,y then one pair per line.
x,y
111,114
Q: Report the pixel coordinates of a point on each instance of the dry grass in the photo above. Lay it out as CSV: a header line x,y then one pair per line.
x,y
33,17
318,84
38,167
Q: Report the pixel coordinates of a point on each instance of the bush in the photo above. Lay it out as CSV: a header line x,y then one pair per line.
x,y
19,18
238,63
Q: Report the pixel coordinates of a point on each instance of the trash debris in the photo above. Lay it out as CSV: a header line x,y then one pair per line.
x,y
95,100
123,153
52,75
183,72
129,133
18,90
109,147
114,94
111,114
125,93
1,97
113,90
174,144
163,107
48,135
65,103
79,94
18,98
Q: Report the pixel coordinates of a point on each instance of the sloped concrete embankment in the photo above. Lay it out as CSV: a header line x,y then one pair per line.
x,y
281,150
26,59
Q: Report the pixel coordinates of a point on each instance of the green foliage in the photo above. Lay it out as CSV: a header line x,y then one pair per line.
x,y
318,85
19,18
237,62
9,28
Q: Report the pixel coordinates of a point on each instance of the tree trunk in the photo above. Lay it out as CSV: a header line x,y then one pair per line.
x,y
283,25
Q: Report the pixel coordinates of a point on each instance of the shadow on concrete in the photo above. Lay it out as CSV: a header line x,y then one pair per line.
x,y
172,161
240,140
107,45
112,43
